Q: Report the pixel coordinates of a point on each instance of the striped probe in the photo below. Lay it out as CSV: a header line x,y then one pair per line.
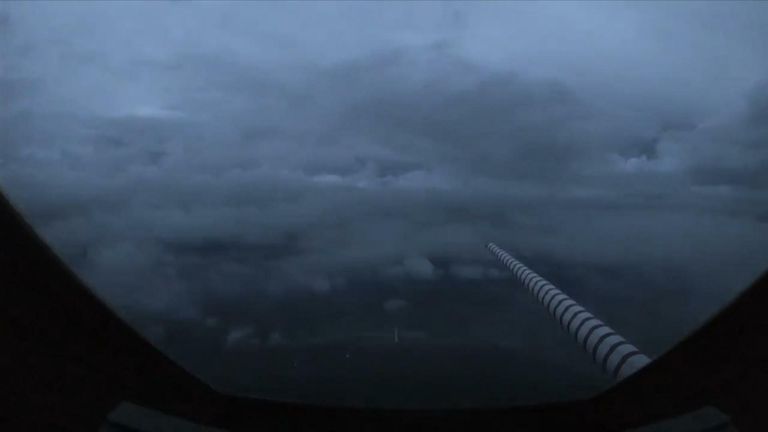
x,y
608,349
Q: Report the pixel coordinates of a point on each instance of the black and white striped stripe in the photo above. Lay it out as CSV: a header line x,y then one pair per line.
x,y
608,349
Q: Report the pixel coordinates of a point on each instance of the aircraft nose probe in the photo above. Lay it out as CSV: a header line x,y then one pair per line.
x,y
608,349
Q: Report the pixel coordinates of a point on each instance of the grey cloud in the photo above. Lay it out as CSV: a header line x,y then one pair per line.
x,y
395,305
474,271
419,267
732,151
239,335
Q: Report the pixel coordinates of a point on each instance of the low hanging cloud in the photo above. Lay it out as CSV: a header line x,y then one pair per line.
x,y
395,305
732,152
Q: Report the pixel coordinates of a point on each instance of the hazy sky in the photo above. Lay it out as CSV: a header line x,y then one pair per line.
x,y
288,172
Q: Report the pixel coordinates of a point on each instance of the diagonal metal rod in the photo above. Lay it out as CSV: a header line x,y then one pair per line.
x,y
608,349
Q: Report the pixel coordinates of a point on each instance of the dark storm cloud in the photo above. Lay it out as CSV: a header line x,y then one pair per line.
x,y
734,152
256,187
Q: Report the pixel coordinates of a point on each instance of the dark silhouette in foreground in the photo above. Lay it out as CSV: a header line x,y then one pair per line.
x,y
67,361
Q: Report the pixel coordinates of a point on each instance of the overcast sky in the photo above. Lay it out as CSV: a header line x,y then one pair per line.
x,y
288,173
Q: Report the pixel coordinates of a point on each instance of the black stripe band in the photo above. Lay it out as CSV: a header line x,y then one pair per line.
x,y
548,293
565,311
523,273
623,360
573,317
530,277
581,324
527,276
592,330
532,287
600,340
551,299
537,285
519,271
559,302
544,294
534,279
610,351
